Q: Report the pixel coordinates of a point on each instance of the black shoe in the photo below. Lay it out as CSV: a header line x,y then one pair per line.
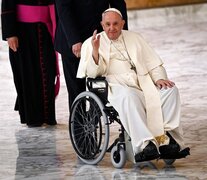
x,y
34,125
172,148
172,151
149,153
52,123
169,149
177,155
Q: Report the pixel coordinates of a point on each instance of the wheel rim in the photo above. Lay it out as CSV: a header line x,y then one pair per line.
x,y
116,157
89,130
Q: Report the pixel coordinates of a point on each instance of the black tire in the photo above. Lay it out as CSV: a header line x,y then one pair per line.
x,y
89,128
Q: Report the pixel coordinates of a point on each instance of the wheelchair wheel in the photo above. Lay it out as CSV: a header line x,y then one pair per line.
x,y
169,161
118,157
89,128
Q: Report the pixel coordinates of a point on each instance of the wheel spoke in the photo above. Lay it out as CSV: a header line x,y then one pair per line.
x,y
88,128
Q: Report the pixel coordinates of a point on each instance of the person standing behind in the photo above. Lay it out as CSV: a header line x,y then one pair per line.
x,y
77,19
28,27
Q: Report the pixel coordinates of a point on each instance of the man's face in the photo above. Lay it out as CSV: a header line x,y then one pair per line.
x,y
112,24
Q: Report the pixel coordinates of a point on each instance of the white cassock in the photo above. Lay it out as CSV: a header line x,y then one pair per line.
x,y
146,112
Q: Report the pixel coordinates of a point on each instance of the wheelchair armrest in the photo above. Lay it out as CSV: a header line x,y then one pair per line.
x,y
97,83
99,86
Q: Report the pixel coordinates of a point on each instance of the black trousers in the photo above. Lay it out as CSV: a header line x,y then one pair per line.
x,y
74,85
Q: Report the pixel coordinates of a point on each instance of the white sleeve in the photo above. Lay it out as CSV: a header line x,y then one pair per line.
x,y
158,73
93,70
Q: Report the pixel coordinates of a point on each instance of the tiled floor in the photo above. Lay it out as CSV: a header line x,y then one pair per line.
x,y
179,35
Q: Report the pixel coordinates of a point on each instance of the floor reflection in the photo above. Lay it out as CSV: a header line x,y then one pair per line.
x,y
88,172
142,170
37,153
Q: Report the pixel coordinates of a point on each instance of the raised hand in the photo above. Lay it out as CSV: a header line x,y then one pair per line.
x,y
95,41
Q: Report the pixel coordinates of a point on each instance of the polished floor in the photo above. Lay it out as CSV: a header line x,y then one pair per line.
x,y
179,35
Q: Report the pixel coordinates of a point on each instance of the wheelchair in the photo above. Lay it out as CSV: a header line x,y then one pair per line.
x,y
90,118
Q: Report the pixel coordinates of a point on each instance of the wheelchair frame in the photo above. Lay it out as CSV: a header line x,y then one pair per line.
x,y
89,122
89,125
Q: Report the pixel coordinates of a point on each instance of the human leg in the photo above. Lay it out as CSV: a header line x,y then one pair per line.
x,y
74,85
130,104
171,114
